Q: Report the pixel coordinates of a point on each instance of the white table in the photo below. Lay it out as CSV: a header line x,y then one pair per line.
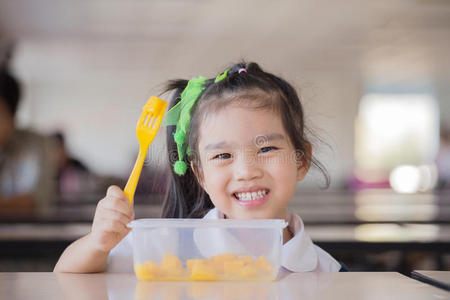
x,y
305,286
439,279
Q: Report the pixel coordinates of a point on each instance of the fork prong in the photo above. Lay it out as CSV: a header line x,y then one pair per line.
x,y
152,124
142,119
156,122
150,120
147,121
144,123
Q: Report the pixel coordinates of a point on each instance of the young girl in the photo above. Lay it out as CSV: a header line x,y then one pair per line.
x,y
237,147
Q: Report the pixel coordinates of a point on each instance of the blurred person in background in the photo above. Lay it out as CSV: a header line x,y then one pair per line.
x,y
74,181
72,174
26,162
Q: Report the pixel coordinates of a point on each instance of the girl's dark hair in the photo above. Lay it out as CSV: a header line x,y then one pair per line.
x,y
255,88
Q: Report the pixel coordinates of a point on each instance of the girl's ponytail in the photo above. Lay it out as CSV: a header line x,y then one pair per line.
x,y
184,198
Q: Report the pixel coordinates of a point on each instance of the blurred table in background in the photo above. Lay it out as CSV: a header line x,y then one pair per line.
x,y
343,207
380,229
328,207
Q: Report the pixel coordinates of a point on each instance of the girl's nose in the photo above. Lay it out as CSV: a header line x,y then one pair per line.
x,y
247,168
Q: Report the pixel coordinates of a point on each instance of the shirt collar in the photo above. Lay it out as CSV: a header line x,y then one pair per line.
x,y
298,254
214,214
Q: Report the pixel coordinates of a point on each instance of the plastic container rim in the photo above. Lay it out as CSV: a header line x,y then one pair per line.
x,y
218,223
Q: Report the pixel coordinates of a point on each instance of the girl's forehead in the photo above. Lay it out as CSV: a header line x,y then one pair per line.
x,y
238,116
239,107
240,125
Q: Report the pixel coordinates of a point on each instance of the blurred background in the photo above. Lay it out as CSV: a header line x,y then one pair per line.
x,y
374,78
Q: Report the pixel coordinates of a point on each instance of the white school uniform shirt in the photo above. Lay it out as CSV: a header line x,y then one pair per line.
x,y
299,254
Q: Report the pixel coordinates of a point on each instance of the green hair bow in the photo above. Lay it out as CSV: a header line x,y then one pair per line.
x,y
180,115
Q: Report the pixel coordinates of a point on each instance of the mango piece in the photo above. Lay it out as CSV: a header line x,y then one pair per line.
x,y
191,262
249,272
142,272
218,261
171,261
232,268
153,268
262,263
203,271
171,265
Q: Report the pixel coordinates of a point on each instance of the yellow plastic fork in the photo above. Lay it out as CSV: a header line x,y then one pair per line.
x,y
146,130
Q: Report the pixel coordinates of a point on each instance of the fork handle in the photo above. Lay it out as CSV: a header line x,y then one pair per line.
x,y
130,188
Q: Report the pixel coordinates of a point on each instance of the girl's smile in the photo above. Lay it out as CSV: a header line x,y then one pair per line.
x,y
251,196
248,164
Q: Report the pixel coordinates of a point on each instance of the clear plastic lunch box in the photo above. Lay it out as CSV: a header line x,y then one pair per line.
x,y
207,249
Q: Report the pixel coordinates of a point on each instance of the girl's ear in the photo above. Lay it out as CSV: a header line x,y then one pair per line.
x,y
303,162
198,173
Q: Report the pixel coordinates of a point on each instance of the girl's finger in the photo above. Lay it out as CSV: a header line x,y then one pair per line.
x,y
116,216
116,192
114,227
118,204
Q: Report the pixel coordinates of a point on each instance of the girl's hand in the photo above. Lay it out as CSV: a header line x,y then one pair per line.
x,y
112,215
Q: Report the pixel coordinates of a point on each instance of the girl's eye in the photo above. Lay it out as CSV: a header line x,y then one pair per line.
x,y
222,156
267,149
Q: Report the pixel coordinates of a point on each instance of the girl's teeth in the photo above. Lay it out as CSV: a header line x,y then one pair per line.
x,y
251,196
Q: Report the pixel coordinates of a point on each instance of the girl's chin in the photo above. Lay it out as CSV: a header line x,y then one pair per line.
x,y
253,214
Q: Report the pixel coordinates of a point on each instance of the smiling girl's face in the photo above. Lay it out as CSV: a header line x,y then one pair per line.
x,y
248,164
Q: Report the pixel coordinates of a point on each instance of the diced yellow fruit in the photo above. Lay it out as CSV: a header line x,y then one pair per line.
x,y
172,274
262,263
191,262
153,268
249,272
142,272
225,266
218,261
171,265
233,267
202,271
171,261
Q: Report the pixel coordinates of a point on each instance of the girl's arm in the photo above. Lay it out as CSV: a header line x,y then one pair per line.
x,y
90,253
82,257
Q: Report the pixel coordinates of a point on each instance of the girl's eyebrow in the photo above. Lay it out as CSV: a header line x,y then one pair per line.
x,y
272,136
263,137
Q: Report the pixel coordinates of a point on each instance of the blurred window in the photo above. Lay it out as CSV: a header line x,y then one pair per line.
x,y
394,130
